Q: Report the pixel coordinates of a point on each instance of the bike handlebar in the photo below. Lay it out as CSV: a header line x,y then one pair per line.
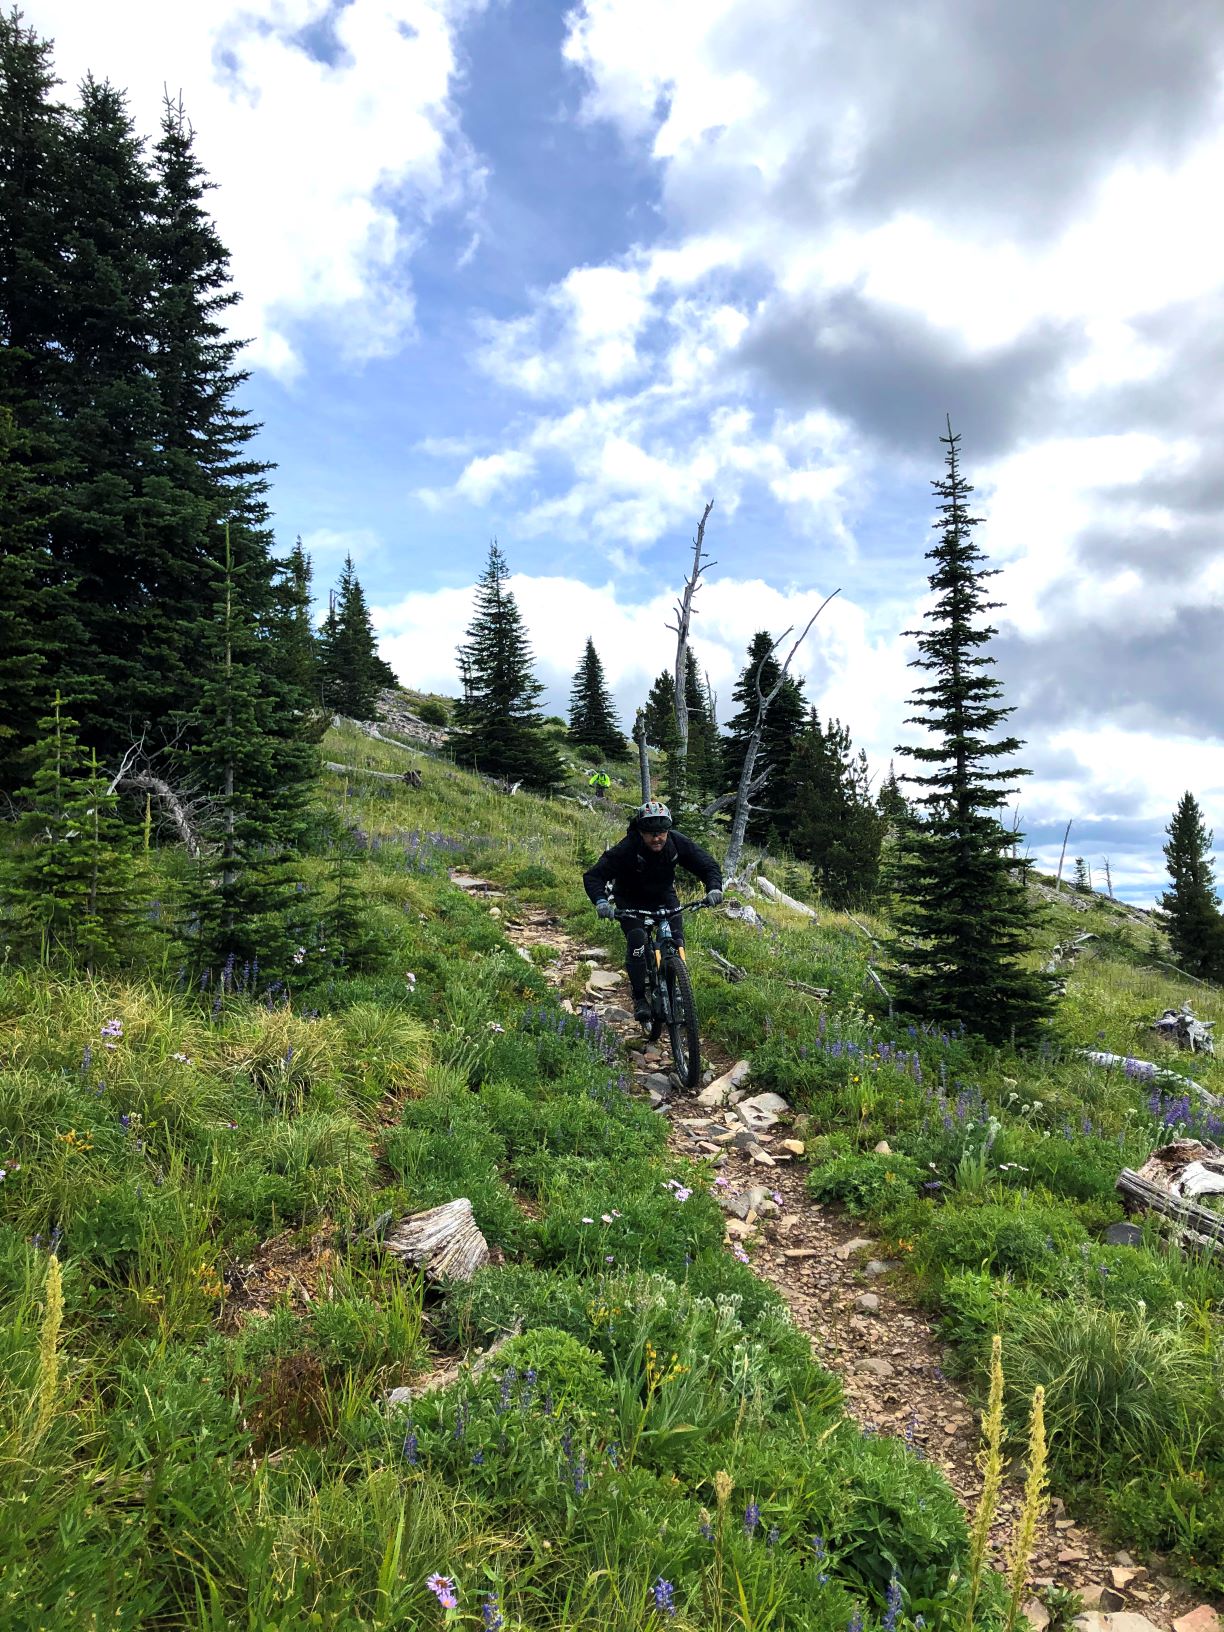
x,y
658,912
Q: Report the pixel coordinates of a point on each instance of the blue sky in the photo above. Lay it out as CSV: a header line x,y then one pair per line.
x,y
560,273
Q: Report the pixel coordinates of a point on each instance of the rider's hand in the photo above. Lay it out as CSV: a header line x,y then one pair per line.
x,y
604,907
713,897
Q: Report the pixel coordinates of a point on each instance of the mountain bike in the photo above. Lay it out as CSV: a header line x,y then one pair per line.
x,y
669,990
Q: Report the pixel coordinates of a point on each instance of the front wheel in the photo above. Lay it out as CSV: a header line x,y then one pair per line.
x,y
682,1024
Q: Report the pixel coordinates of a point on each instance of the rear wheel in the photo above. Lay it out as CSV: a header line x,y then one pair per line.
x,y
682,1023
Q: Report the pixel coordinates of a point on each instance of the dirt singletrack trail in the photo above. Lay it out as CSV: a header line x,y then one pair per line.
x,y
884,1348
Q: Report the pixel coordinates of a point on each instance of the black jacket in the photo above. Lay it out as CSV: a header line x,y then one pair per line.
x,y
639,878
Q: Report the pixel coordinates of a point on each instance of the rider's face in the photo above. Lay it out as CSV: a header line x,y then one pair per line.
x,y
654,841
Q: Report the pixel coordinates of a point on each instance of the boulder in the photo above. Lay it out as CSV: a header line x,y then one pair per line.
x,y
603,980
762,1111
1202,1619
728,1088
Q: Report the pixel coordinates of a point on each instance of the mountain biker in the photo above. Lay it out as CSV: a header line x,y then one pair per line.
x,y
641,872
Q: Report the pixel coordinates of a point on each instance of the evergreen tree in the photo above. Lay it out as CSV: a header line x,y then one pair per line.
x,y
73,888
293,647
592,712
964,924
783,723
1191,909
111,534
1083,878
893,806
659,715
693,780
831,817
249,904
34,629
352,672
497,724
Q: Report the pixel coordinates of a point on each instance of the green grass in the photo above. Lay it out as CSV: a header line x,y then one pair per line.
x,y
223,1459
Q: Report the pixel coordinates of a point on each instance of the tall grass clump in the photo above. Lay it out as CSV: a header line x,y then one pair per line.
x,y
1118,1388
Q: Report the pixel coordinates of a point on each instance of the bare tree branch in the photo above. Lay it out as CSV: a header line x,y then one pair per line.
x,y
725,799
684,615
182,812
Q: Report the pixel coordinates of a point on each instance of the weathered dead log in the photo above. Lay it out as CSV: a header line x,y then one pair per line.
x,y
1184,1168
743,913
444,1241
808,991
1067,952
1146,1071
732,971
1180,1027
175,807
881,988
365,770
452,1373
784,900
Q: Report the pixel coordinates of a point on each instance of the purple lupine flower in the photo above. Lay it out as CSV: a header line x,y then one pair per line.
x,y
752,1517
706,1530
410,1447
490,1613
892,1605
478,1459
665,1597
508,1379
771,1539
855,1623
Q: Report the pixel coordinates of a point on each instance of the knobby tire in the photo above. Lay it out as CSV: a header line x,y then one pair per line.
x,y
682,1023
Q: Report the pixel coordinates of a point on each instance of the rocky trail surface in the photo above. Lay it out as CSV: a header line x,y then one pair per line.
x,y
886,1351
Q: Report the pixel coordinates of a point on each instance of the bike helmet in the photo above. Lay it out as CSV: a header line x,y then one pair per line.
x,y
652,817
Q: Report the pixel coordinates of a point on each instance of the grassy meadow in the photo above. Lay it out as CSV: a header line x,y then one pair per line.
x,y
197,1338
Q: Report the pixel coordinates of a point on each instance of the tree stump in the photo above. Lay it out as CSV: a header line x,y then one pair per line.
x,y
444,1241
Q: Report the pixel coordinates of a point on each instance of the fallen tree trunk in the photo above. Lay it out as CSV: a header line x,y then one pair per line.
x,y
1146,1071
170,802
411,778
1165,1182
784,900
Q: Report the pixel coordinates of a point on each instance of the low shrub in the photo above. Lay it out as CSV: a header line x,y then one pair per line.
x,y
1026,1240
865,1183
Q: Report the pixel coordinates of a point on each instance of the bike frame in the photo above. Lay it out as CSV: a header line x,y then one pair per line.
x,y
656,921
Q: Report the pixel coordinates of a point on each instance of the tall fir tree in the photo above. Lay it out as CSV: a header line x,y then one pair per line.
x,y
832,821
111,533
769,820
249,903
294,648
1191,909
36,632
352,672
497,723
695,778
592,722
659,715
964,923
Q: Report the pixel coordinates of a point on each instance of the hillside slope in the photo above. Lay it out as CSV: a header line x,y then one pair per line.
x,y
204,1440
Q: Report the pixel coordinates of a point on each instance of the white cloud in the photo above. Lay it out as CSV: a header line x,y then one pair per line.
x,y
328,546
326,172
